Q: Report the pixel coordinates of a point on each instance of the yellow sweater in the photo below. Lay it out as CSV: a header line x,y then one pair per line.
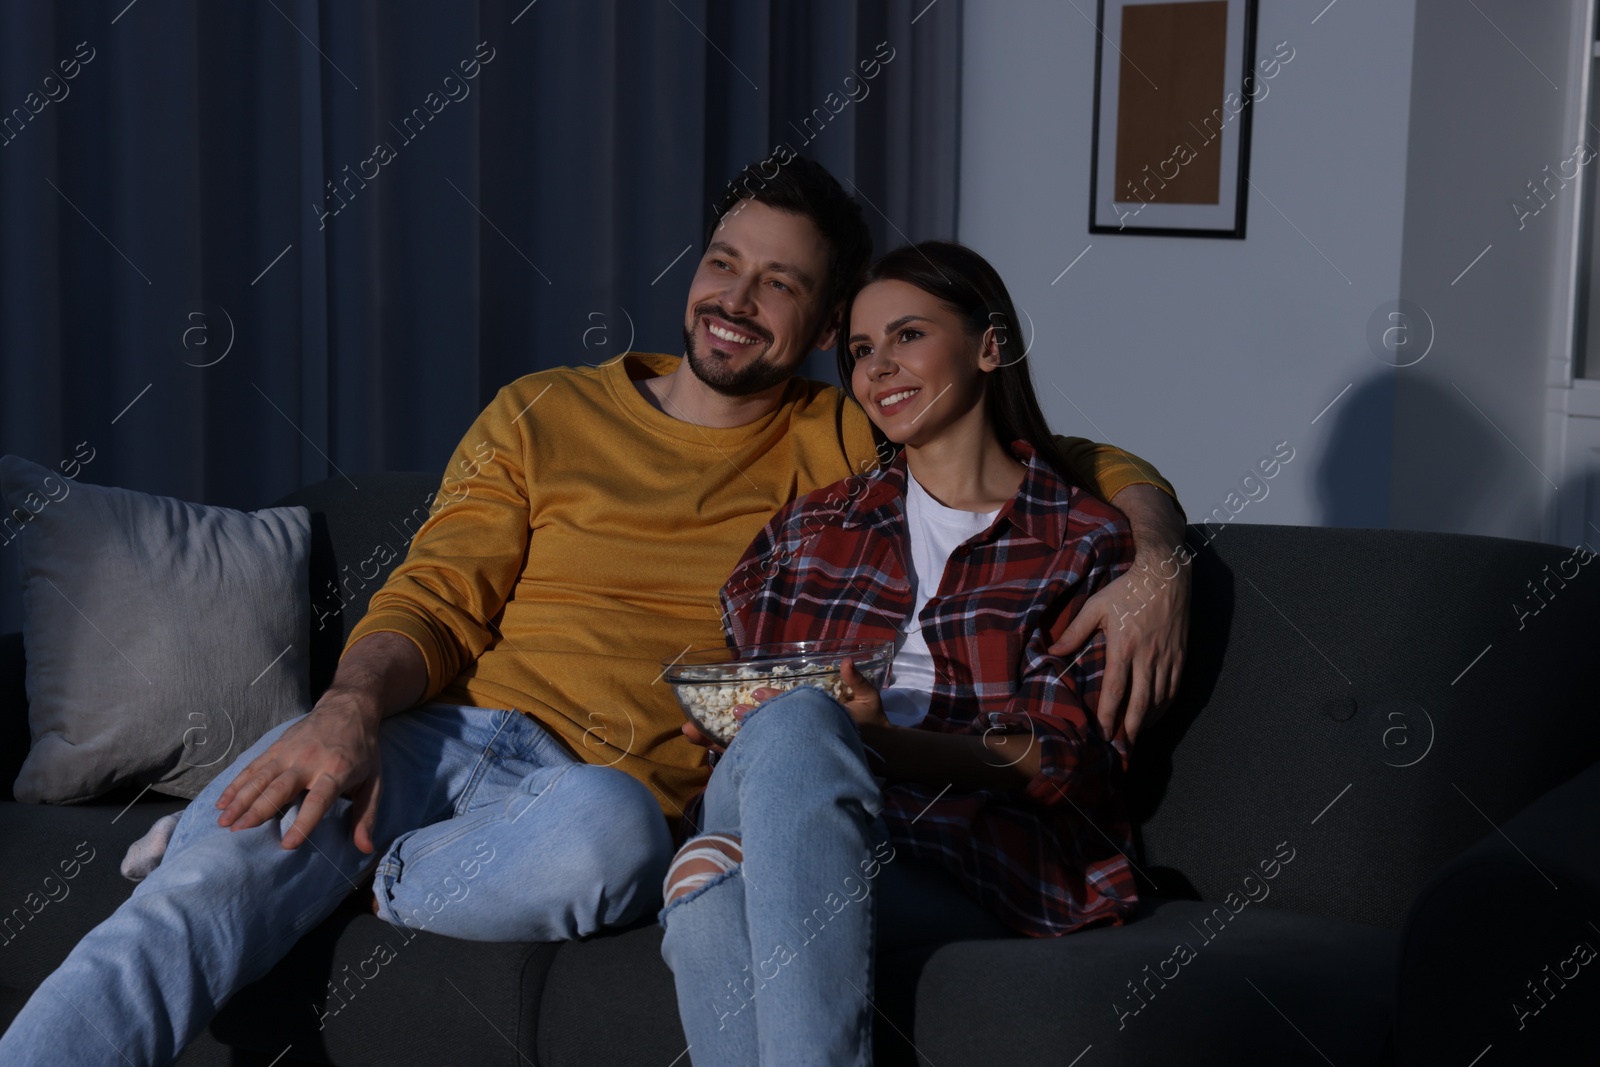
x,y
579,540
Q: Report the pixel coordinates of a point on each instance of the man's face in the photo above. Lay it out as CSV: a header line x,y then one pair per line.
x,y
756,302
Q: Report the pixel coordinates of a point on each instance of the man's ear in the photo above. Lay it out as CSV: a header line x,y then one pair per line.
x,y
830,328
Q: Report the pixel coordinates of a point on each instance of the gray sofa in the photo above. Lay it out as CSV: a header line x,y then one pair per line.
x,y
1322,862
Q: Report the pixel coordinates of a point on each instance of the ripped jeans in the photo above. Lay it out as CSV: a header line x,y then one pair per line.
x,y
773,959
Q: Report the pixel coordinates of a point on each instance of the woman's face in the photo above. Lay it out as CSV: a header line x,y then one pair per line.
x,y
917,371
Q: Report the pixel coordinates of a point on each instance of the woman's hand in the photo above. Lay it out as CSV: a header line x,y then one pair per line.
x,y
699,736
861,697
696,735
861,701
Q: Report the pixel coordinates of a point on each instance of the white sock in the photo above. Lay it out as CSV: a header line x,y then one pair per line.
x,y
145,853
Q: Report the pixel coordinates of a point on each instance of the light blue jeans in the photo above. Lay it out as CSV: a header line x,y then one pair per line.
x,y
487,830
773,960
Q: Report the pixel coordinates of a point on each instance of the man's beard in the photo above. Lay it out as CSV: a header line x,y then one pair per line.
x,y
757,376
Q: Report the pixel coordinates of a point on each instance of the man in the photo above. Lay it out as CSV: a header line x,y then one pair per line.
x,y
497,732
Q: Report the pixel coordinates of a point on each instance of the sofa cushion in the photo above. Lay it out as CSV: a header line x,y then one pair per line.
x,y
625,969
1025,1001
356,991
161,636
1264,986
626,965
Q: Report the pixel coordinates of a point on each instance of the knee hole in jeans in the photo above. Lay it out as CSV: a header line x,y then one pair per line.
x,y
699,861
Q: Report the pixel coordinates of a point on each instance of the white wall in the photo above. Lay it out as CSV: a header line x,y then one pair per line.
x,y
1475,450
1202,354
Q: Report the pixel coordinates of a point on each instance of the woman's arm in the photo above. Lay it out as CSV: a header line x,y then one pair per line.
x,y
1000,762
996,761
761,578
1046,742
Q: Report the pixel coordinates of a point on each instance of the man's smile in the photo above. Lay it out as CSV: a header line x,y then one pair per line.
x,y
730,335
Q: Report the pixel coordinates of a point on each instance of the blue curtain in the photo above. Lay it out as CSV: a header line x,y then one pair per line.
x,y
248,246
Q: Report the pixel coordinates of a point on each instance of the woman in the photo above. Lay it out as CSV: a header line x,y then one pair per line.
x,y
977,790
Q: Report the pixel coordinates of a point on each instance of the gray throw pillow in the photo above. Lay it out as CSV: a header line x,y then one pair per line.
x,y
162,638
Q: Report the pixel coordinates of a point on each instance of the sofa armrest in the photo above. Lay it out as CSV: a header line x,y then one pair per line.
x,y
15,738
1500,948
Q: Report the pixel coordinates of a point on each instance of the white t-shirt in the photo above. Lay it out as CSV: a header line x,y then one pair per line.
x,y
935,531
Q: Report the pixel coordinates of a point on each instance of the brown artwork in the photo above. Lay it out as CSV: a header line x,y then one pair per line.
x,y
1168,134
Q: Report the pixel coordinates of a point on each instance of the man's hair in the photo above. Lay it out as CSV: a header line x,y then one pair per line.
x,y
804,187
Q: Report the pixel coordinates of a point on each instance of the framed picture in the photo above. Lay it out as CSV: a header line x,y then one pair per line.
x,y
1174,84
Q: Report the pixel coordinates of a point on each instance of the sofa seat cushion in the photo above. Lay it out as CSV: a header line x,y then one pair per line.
x,y
624,971
1029,1002
357,991
1264,986
59,878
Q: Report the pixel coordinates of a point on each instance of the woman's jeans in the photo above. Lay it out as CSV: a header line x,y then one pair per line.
x,y
773,960
487,830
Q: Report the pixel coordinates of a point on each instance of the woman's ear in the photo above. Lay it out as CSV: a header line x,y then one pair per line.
x,y
989,358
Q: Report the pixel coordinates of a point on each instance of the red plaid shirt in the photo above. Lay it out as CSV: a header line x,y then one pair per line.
x,y
1049,858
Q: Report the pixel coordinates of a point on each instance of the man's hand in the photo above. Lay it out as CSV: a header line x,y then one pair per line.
x,y
330,753
1145,615
334,750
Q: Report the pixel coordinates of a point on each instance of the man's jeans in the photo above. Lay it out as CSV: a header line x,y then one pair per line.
x,y
773,959
487,830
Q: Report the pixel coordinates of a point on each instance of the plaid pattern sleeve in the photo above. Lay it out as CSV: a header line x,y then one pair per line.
x,y
1055,702
1049,858
761,566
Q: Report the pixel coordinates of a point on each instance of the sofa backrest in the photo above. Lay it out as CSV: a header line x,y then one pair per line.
x,y
353,528
1378,700
1364,701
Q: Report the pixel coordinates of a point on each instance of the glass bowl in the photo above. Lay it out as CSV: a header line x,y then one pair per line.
x,y
710,683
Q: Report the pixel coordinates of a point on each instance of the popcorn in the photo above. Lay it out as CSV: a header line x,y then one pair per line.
x,y
710,682
711,704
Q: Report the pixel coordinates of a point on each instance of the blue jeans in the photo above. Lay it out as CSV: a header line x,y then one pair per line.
x,y
773,960
487,830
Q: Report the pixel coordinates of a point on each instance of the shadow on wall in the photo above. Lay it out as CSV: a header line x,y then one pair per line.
x,y
1354,476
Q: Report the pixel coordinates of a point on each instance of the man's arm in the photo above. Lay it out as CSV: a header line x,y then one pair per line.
x,y
1144,613
428,621
1107,470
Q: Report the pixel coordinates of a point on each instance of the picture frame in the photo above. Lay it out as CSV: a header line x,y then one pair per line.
x,y
1175,81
